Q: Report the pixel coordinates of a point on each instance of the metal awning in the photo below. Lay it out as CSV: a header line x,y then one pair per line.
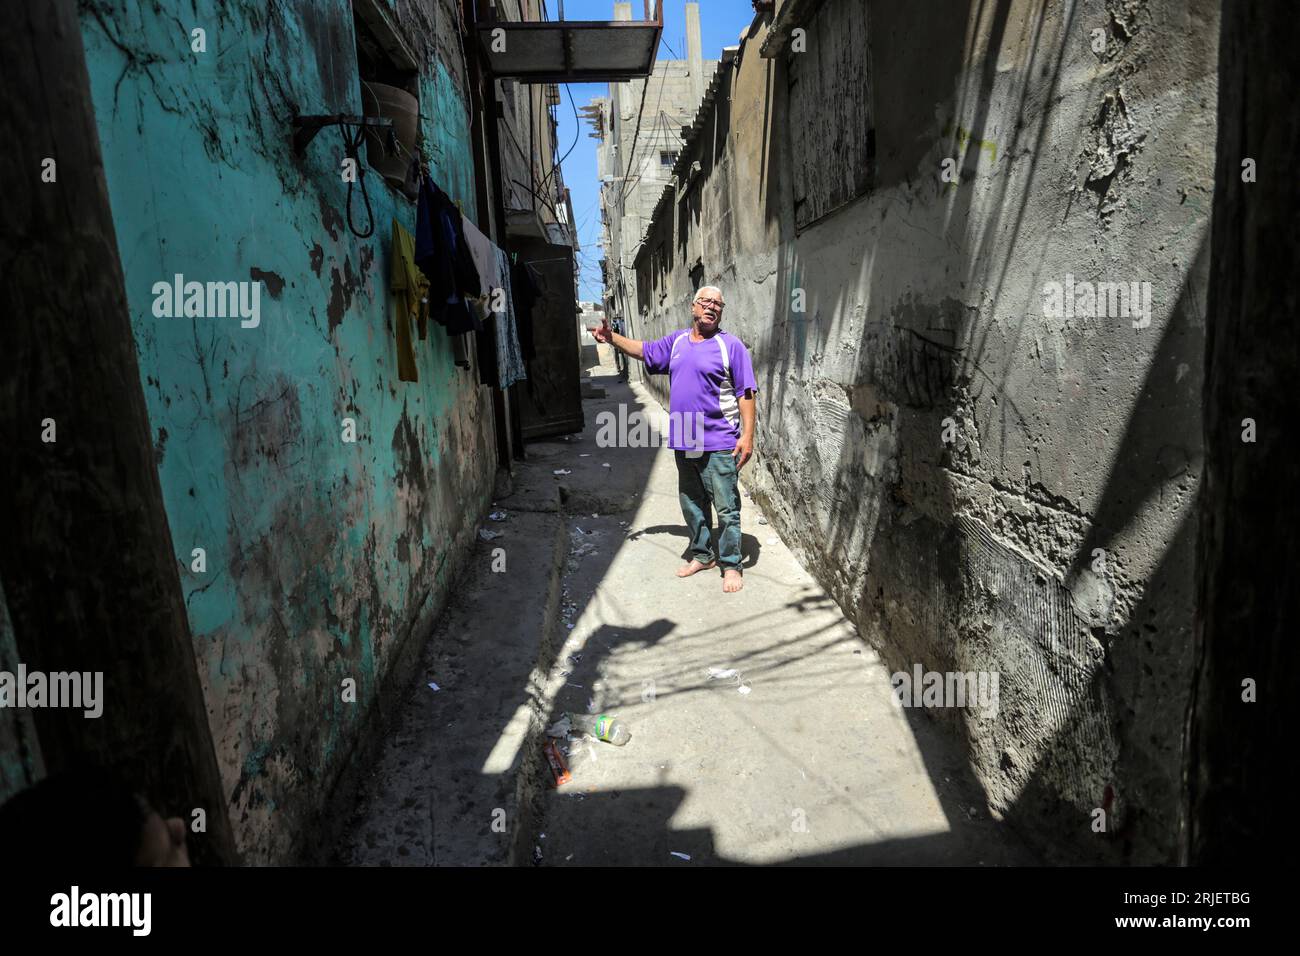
x,y
572,51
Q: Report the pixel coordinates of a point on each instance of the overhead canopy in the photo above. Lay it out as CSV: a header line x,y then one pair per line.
x,y
572,51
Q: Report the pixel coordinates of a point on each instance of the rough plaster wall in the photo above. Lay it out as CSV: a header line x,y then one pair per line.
x,y
323,558
925,304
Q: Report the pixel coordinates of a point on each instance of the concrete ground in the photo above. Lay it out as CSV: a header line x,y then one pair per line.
x,y
800,756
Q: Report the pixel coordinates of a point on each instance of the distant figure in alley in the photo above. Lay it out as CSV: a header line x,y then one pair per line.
x,y
711,381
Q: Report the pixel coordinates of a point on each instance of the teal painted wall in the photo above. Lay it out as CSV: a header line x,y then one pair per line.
x,y
322,556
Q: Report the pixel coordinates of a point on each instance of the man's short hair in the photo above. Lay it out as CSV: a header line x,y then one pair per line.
x,y
706,288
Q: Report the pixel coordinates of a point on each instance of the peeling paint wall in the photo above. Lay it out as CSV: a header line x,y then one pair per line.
x,y
325,560
925,319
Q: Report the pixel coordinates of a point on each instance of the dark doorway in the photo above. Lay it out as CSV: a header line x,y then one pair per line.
x,y
550,401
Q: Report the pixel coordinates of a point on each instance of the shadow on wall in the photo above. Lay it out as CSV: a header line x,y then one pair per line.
x,y
923,541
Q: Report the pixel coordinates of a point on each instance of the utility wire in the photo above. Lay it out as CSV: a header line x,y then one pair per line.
x,y
637,178
514,141
663,80
645,88
545,201
576,135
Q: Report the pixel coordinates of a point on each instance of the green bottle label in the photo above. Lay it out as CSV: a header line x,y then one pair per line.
x,y
602,727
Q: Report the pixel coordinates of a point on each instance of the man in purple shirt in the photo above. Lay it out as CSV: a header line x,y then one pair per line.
x,y
711,426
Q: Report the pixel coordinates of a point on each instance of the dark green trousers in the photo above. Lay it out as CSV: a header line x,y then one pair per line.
x,y
711,479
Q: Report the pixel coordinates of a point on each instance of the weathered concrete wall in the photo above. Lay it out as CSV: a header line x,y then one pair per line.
x,y
925,320
326,560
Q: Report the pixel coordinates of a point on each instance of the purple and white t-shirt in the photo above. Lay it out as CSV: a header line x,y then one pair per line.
x,y
705,380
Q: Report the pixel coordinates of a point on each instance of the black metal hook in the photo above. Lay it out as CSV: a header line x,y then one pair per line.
x,y
305,128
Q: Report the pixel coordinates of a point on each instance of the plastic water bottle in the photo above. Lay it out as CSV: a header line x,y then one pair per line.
x,y
602,727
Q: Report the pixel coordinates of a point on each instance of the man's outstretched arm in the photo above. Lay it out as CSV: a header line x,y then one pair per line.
x,y
603,333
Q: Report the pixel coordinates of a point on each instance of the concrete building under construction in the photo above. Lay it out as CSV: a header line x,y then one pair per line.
x,y
640,126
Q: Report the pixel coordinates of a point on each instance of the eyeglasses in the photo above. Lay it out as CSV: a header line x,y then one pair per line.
x,y
717,302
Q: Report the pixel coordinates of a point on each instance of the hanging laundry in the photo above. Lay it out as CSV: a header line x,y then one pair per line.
x,y
483,252
486,342
460,351
443,255
526,293
410,288
510,359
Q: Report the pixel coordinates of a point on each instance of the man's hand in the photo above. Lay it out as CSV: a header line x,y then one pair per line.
x,y
744,450
745,446
602,333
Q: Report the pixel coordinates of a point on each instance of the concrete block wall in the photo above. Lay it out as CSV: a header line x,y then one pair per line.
x,y
985,486
326,561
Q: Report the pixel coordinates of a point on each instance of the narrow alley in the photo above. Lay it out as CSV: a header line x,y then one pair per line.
x,y
488,436
799,754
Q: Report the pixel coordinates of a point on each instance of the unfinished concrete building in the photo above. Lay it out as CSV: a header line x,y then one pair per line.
x,y
640,125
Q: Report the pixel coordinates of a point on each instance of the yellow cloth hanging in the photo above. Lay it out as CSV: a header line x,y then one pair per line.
x,y
411,288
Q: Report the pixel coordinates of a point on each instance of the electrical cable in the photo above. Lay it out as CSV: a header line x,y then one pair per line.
x,y
545,202
536,194
645,88
662,119
577,133
668,125
662,82
353,145
514,141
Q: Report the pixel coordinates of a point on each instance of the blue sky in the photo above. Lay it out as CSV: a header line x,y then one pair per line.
x,y
720,24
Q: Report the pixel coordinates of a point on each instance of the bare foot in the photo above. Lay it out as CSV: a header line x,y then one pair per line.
x,y
686,570
732,580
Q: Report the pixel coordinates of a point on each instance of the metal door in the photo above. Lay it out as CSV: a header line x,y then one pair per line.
x,y
550,400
